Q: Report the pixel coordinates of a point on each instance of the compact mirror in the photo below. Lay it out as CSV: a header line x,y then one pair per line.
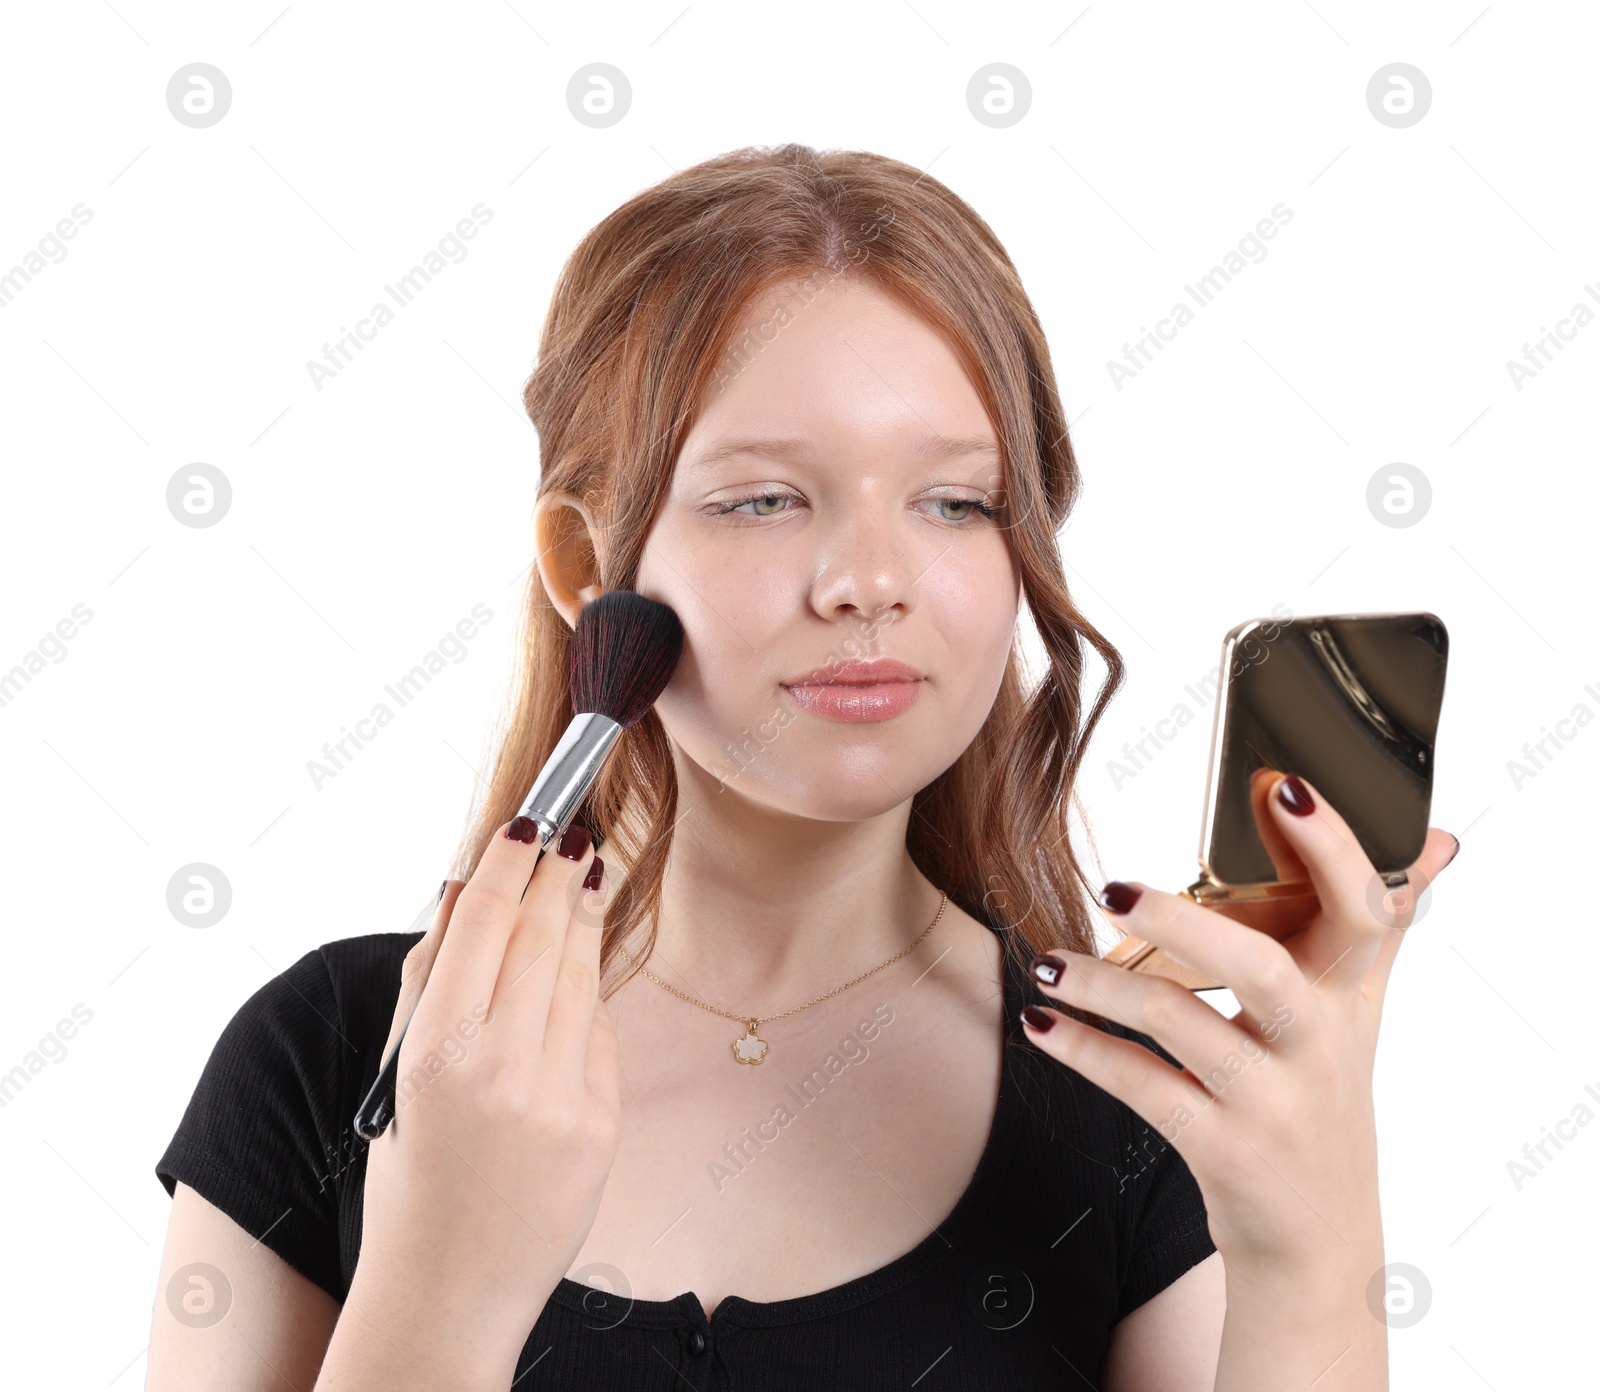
x,y
1350,702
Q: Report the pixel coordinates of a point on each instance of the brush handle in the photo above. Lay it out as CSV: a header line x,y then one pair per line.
x,y
377,1110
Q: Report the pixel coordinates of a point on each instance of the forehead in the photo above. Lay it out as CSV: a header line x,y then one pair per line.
x,y
817,367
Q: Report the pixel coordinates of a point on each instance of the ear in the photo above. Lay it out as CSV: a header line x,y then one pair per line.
x,y
569,552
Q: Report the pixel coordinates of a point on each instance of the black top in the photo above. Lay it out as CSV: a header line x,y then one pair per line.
x,y
1078,1212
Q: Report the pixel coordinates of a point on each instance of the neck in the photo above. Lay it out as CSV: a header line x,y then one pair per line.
x,y
762,910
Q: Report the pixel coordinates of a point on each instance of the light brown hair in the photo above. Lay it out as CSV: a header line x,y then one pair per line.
x,y
643,322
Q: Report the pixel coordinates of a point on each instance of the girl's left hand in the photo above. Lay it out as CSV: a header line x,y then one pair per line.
x,y
1272,1110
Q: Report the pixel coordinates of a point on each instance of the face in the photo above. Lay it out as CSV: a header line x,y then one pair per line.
x,y
826,511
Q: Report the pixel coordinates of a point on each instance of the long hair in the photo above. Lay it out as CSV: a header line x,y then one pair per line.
x,y
644,320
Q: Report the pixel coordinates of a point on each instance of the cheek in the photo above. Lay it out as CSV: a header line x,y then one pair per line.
x,y
973,609
732,616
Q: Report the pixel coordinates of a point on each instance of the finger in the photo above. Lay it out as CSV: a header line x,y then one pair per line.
x,y
533,955
1150,1088
1437,852
418,963
1286,862
468,964
1340,945
575,994
1256,968
1185,1026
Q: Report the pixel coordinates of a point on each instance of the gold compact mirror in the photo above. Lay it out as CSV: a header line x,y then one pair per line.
x,y
1350,702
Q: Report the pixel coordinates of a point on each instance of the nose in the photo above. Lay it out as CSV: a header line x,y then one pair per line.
x,y
865,571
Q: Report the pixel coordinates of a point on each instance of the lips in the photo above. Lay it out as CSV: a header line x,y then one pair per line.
x,y
873,672
857,692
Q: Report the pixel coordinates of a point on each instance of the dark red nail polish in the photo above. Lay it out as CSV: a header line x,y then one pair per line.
x,y
1294,795
1039,1019
1119,898
1047,968
523,829
574,843
596,869
1456,852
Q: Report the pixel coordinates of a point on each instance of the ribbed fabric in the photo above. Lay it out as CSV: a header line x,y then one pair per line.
x,y
1077,1213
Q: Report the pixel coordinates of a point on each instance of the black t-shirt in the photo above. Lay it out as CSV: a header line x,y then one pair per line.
x,y
1078,1212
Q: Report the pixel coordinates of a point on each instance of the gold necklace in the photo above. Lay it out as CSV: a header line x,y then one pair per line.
x,y
750,1047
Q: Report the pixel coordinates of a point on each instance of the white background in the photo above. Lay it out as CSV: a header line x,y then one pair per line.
x,y
369,517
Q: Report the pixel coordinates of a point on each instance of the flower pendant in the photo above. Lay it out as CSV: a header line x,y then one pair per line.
x,y
751,1048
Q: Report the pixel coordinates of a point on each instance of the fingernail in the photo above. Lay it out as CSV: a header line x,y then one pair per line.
x,y
596,870
1294,795
1119,898
439,897
1456,852
523,829
1039,1019
1047,968
574,843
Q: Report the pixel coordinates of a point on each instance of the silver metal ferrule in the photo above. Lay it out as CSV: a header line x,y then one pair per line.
x,y
569,773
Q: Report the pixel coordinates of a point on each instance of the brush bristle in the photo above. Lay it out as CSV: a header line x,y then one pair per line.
x,y
625,649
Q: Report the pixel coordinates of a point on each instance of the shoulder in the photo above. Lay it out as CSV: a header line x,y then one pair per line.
x,y
1140,1206
342,965
1066,1107
316,1022
265,1136
1095,1131
365,956
285,1069
364,978
347,974
365,963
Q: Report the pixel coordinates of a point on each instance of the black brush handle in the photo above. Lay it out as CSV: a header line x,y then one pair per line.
x,y
377,1110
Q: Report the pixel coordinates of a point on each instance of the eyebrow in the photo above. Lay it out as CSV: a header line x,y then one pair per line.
x,y
778,447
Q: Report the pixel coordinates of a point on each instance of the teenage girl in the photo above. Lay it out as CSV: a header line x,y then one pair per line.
x,y
814,1078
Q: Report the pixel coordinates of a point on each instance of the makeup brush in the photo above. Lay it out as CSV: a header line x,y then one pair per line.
x,y
624,651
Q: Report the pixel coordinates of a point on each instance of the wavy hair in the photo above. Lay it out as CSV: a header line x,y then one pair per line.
x,y
644,320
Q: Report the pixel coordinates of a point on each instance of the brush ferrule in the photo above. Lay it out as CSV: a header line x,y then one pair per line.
x,y
569,773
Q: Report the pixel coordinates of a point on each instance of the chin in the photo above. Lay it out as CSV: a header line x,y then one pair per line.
x,y
839,785
833,804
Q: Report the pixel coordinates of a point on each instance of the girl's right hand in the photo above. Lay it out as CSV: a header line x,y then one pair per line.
x,y
507,1107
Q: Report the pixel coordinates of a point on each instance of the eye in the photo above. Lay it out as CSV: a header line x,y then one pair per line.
x,y
759,498
974,504
766,505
